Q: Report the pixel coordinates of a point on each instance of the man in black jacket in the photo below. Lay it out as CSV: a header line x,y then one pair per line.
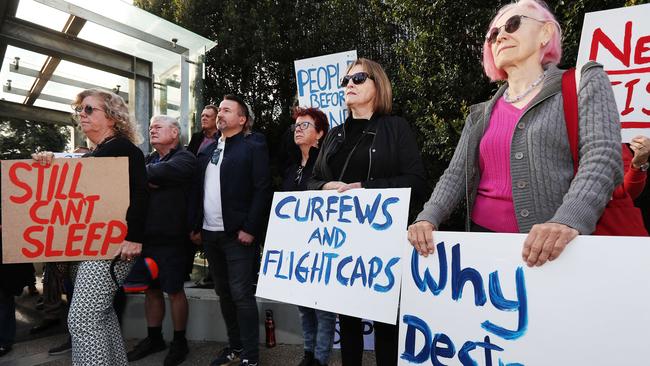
x,y
170,170
233,197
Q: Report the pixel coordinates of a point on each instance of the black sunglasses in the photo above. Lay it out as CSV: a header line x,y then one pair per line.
x,y
88,109
301,126
512,25
358,78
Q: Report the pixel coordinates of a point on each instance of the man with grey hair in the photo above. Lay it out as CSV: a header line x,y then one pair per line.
x,y
170,171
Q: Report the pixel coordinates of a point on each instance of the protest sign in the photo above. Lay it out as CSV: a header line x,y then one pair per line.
x,y
338,252
475,302
71,210
620,40
319,84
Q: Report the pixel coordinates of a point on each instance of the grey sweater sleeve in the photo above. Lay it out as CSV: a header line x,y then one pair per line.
x,y
601,165
450,189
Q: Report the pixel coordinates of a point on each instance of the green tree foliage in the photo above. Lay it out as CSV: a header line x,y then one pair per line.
x,y
431,50
20,138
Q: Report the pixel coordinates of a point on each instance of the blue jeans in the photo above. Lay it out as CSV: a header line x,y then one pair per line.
x,y
233,268
318,332
7,319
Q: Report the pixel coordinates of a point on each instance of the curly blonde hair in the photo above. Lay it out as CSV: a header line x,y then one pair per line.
x,y
116,110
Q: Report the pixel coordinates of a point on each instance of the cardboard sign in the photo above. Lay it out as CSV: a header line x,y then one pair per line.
x,y
475,300
72,210
339,252
620,40
319,84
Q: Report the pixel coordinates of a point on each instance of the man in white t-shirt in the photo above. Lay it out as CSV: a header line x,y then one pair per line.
x,y
233,199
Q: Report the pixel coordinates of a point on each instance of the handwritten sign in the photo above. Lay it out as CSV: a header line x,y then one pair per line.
x,y
620,40
338,252
474,302
73,209
319,84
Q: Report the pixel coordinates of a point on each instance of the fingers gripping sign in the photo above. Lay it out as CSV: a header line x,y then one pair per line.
x,y
545,242
420,235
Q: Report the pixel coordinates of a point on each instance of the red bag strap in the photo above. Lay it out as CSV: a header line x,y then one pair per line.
x,y
570,101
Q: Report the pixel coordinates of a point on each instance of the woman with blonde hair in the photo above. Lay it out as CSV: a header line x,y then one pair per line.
x,y
96,337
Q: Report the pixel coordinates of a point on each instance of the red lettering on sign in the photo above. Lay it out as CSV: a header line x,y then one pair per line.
x,y
642,45
38,245
39,180
75,180
13,178
599,37
111,237
91,206
645,110
72,238
33,213
91,236
628,99
59,195
49,241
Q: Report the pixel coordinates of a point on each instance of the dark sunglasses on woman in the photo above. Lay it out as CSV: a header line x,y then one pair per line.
x,y
512,25
358,78
88,109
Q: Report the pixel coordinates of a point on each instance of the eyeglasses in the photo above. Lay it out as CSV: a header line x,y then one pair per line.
x,y
301,126
88,109
358,78
512,25
216,155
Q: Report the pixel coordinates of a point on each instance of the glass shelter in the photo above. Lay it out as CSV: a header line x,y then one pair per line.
x,y
53,49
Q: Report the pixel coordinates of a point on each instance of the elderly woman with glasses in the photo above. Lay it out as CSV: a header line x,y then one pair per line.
x,y
96,337
513,163
372,149
309,131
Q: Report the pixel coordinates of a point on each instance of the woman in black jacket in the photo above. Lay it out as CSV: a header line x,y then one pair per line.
x,y
105,120
372,149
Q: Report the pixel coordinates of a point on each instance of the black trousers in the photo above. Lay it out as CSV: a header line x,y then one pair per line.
x,y
386,339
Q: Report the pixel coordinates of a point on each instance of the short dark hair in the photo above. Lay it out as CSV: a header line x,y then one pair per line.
x,y
213,107
320,119
243,110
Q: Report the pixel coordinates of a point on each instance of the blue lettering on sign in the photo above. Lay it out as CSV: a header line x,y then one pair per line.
x,y
320,267
426,283
315,79
376,214
333,238
458,279
432,350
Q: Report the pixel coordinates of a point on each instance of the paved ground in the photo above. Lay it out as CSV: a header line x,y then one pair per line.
x,y
31,350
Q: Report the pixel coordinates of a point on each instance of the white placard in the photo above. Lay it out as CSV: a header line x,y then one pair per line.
x,y
589,307
319,84
620,40
339,252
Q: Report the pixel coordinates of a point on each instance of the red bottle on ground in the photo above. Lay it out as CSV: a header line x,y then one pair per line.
x,y
269,325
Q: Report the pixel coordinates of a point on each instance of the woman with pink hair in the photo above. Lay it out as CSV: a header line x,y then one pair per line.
x,y
513,163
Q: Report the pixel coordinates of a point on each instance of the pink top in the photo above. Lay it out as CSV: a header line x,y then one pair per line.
x,y
493,208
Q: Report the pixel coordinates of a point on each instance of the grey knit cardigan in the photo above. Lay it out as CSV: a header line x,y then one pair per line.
x,y
544,188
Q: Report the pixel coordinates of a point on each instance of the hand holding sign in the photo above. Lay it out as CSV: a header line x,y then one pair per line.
x,y
420,235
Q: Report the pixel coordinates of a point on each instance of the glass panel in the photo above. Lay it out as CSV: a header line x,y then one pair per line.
x,y
41,14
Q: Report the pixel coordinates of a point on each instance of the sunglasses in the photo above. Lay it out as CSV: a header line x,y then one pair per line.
x,y
301,126
358,78
512,25
88,109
